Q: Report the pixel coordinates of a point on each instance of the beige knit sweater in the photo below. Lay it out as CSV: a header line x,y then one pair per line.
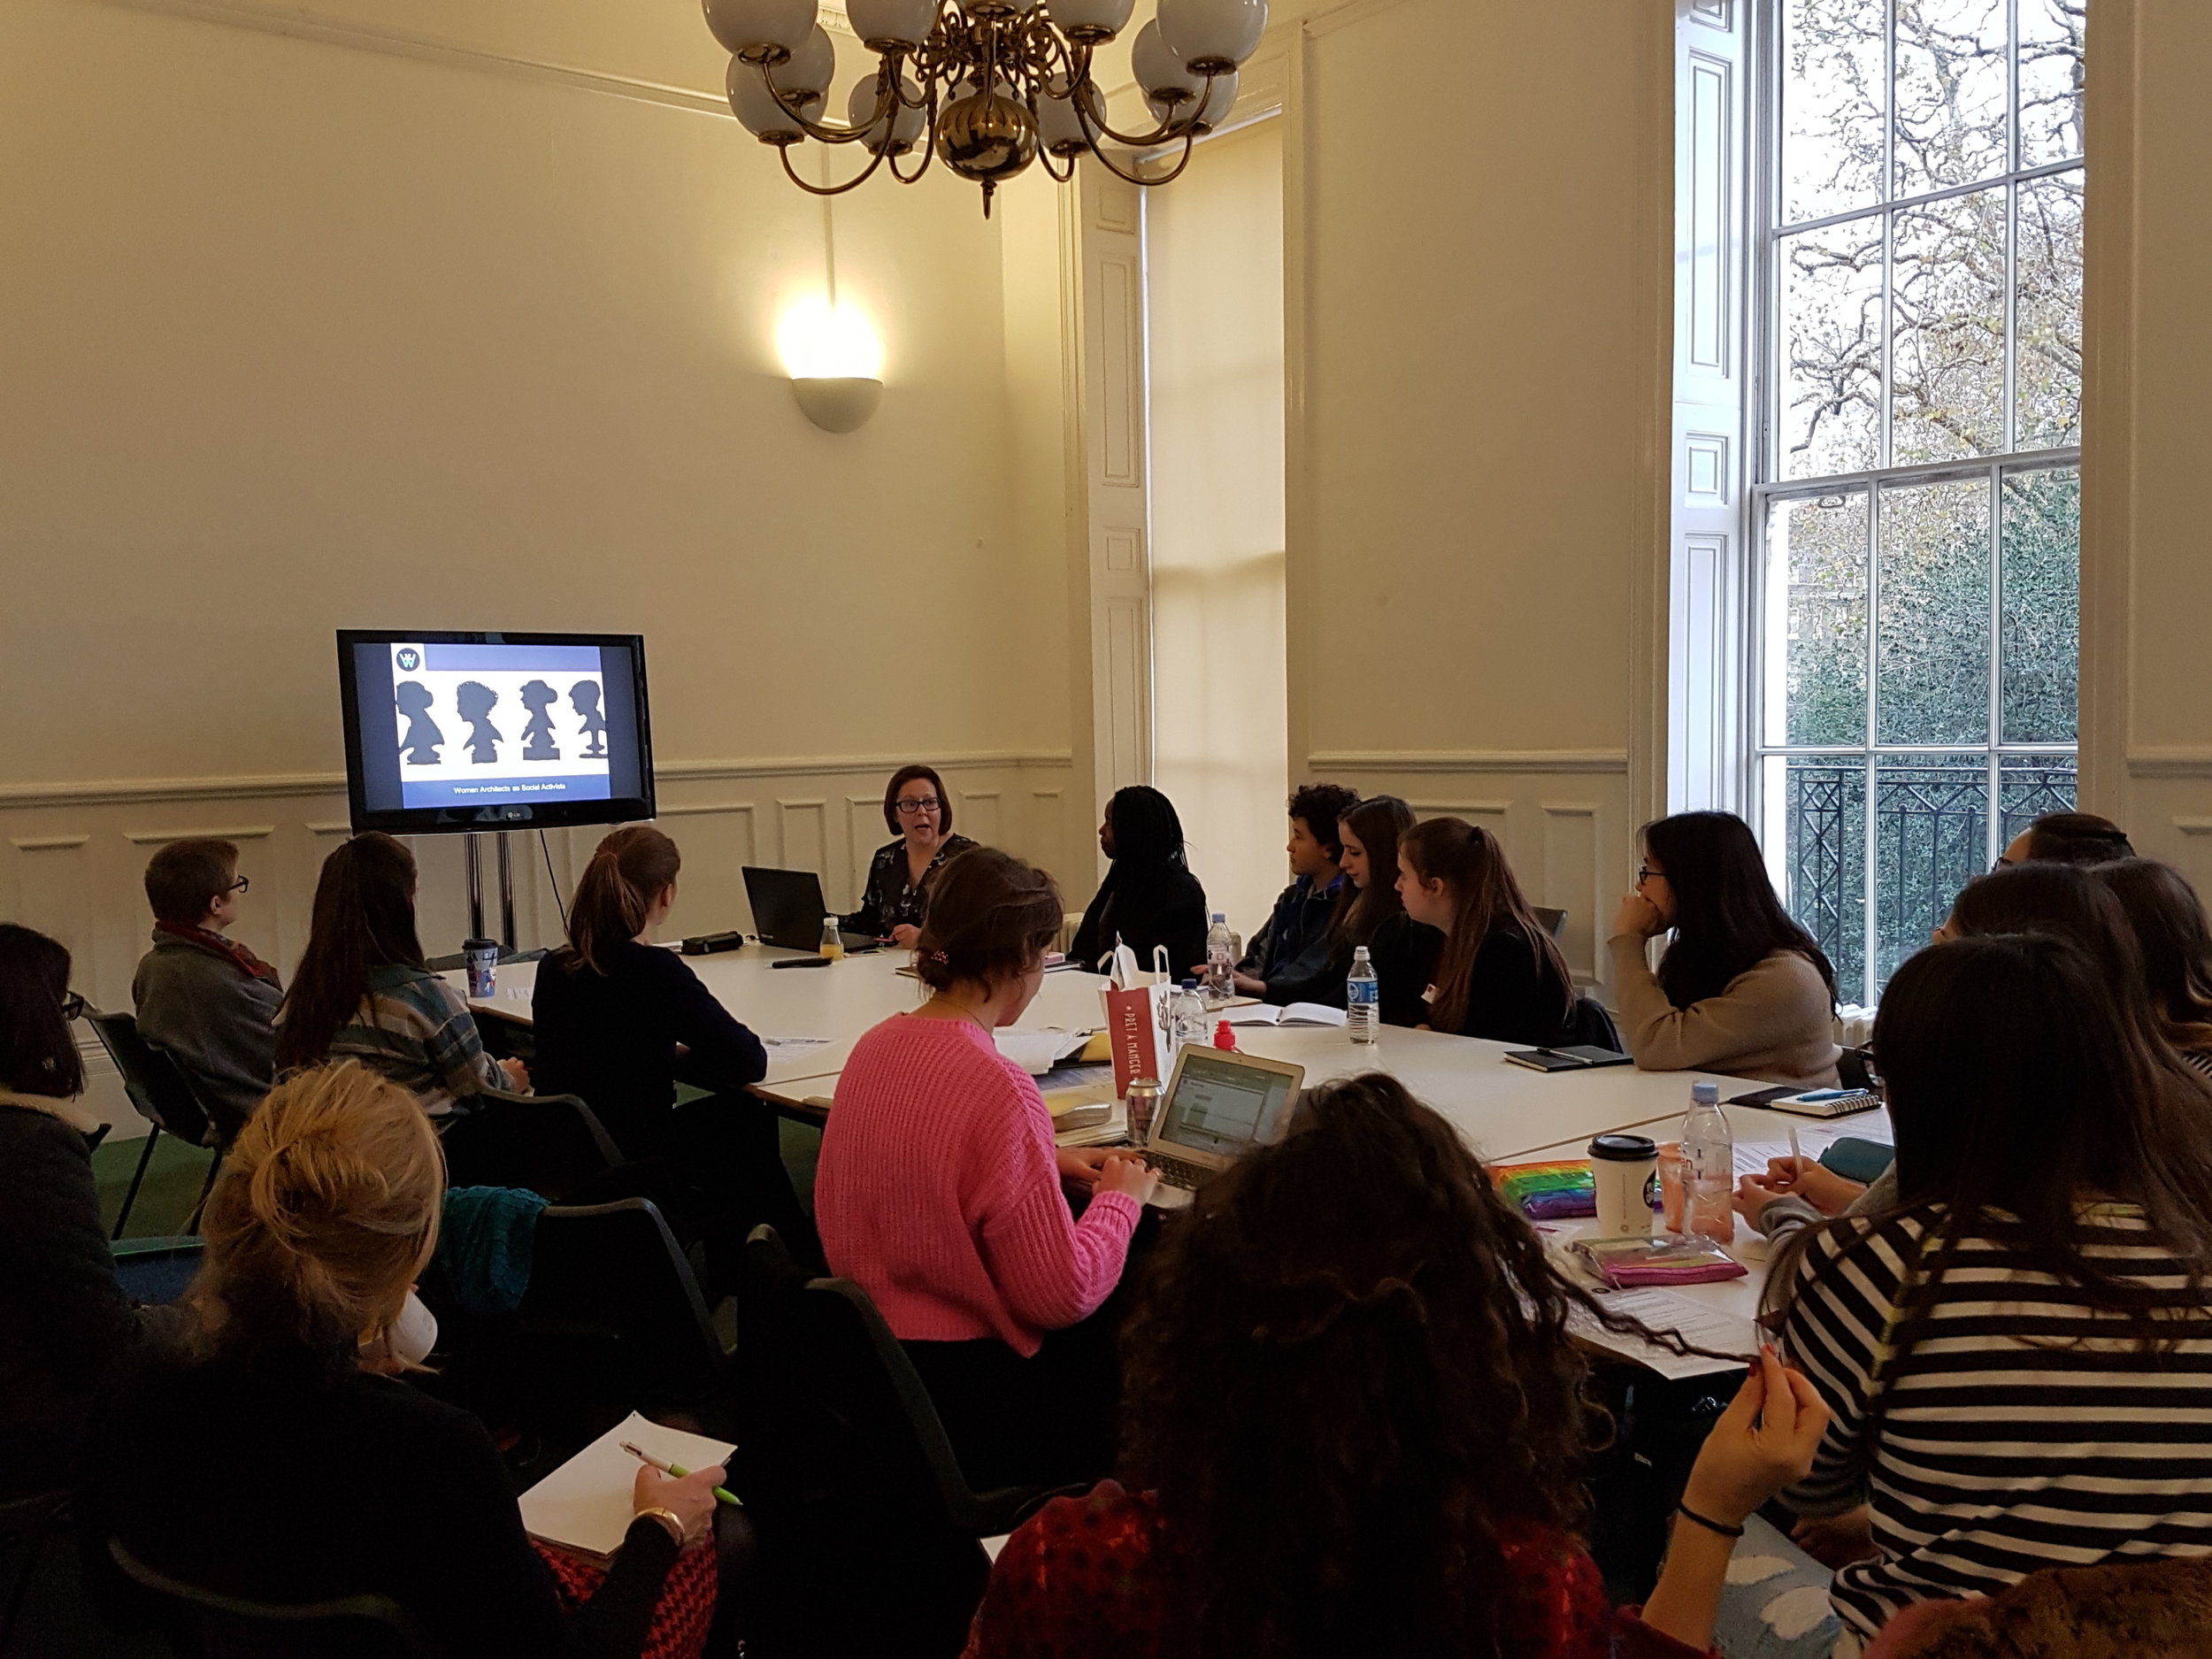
x,y
1774,1022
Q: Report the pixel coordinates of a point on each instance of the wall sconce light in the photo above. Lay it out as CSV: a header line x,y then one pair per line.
x,y
835,363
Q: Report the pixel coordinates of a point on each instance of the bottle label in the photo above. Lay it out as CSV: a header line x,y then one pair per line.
x,y
1364,993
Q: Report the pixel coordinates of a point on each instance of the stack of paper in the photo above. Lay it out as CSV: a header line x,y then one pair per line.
x,y
584,1505
1037,1052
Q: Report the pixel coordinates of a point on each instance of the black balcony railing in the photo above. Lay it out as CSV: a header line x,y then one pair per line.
x,y
1930,838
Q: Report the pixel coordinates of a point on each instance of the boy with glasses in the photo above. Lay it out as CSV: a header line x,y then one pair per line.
x,y
201,996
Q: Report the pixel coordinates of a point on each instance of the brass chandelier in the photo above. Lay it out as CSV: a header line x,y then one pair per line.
x,y
986,86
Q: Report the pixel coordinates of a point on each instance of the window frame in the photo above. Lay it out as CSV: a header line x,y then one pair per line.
x,y
1765,387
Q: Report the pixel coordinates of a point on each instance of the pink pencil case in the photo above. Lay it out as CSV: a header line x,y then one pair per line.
x,y
1668,1260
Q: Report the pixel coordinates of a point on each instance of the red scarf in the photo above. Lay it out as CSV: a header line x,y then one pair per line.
x,y
229,950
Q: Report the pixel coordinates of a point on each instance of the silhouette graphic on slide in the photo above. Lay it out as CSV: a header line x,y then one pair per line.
x,y
421,746
585,695
475,700
537,737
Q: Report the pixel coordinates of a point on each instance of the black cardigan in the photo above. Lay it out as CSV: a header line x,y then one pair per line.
x,y
1514,994
611,1038
302,1479
63,1319
1161,906
1404,953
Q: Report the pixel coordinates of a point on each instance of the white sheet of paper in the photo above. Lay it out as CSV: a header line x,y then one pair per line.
x,y
1663,1310
1752,1155
585,1503
1037,1051
794,1045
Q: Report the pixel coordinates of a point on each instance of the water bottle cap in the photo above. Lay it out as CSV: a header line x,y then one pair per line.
x,y
1219,917
1190,984
1705,1094
1359,953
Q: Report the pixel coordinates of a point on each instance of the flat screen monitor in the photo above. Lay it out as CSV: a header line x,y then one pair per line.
x,y
448,733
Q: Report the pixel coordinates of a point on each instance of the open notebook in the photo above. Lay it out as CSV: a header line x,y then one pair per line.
x,y
1292,1014
584,1505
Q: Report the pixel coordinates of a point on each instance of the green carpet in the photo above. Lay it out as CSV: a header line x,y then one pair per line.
x,y
173,1176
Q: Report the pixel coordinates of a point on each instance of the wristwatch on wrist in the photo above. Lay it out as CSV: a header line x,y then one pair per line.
x,y
668,1519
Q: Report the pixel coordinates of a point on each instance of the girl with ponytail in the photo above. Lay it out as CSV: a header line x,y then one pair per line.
x,y
620,1021
274,1456
1498,974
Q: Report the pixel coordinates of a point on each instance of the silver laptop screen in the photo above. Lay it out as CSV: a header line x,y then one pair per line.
x,y
1220,1106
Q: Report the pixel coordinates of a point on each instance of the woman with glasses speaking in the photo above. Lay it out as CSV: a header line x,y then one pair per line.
x,y
917,810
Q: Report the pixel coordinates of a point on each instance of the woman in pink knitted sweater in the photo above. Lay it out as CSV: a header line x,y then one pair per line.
x,y
939,1192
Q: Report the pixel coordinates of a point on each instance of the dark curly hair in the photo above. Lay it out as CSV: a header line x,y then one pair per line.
x,y
1321,805
1347,1370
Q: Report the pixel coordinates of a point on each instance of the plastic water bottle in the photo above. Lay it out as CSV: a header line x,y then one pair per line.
x,y
1709,1150
1221,961
1186,1016
1362,997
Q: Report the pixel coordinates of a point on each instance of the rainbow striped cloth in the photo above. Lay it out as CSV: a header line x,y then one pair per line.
x,y
1547,1192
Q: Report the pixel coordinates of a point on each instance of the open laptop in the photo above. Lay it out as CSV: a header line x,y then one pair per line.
x,y
788,908
1217,1106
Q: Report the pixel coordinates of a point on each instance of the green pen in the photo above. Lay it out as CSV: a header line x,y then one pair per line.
x,y
678,1471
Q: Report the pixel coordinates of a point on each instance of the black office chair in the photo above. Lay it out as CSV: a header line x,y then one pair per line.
x,y
849,1474
28,1530
614,1319
1591,1026
203,1624
552,1144
1555,921
161,1094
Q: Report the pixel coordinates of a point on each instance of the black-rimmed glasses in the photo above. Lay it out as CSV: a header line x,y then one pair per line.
x,y
73,1006
239,886
915,809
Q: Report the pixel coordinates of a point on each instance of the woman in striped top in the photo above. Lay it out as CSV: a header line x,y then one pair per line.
x,y
2169,927
2018,1355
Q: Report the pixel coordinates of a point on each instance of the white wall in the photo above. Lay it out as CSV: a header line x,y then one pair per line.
x,y
1214,276
381,312
1479,223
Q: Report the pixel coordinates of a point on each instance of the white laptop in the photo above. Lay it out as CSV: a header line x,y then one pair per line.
x,y
1217,1106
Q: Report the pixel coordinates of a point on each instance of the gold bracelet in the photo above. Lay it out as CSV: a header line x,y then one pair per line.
x,y
668,1519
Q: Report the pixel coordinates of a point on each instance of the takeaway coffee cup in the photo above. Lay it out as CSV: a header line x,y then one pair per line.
x,y
1626,1171
482,956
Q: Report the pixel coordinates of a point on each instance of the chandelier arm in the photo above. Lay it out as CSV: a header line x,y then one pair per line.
x,y
929,139
868,172
1169,130
1190,143
1044,160
788,104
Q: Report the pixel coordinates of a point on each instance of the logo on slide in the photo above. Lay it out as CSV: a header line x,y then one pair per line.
x,y
410,659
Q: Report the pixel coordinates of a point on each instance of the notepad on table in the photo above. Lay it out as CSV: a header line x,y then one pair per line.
x,y
1290,1014
584,1506
1037,1052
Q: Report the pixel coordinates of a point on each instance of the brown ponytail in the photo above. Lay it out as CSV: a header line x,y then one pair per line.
x,y
630,869
1468,860
326,1212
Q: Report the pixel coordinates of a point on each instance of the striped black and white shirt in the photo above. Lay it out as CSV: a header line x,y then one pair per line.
x,y
2024,1429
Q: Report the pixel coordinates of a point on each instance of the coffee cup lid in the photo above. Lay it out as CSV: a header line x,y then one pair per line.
x,y
477,944
1623,1149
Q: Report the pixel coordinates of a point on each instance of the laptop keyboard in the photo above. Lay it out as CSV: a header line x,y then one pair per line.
x,y
1176,1172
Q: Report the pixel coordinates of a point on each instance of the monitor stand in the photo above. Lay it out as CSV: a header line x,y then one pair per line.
x,y
471,851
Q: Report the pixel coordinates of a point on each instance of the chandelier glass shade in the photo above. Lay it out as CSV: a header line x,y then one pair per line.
x,y
987,86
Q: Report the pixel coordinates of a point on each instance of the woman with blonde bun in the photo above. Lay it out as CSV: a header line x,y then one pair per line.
x,y
276,1456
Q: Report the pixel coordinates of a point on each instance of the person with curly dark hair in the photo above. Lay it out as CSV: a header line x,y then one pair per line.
x,y
1354,1425
1298,955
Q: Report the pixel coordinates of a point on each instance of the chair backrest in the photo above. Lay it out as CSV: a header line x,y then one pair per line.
x,y
610,1287
1591,1026
202,1624
831,1399
552,1144
157,1090
1555,921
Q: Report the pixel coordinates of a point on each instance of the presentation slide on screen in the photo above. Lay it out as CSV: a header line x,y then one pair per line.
x,y
490,725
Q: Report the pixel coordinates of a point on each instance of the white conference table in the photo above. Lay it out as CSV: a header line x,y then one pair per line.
x,y
810,1017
